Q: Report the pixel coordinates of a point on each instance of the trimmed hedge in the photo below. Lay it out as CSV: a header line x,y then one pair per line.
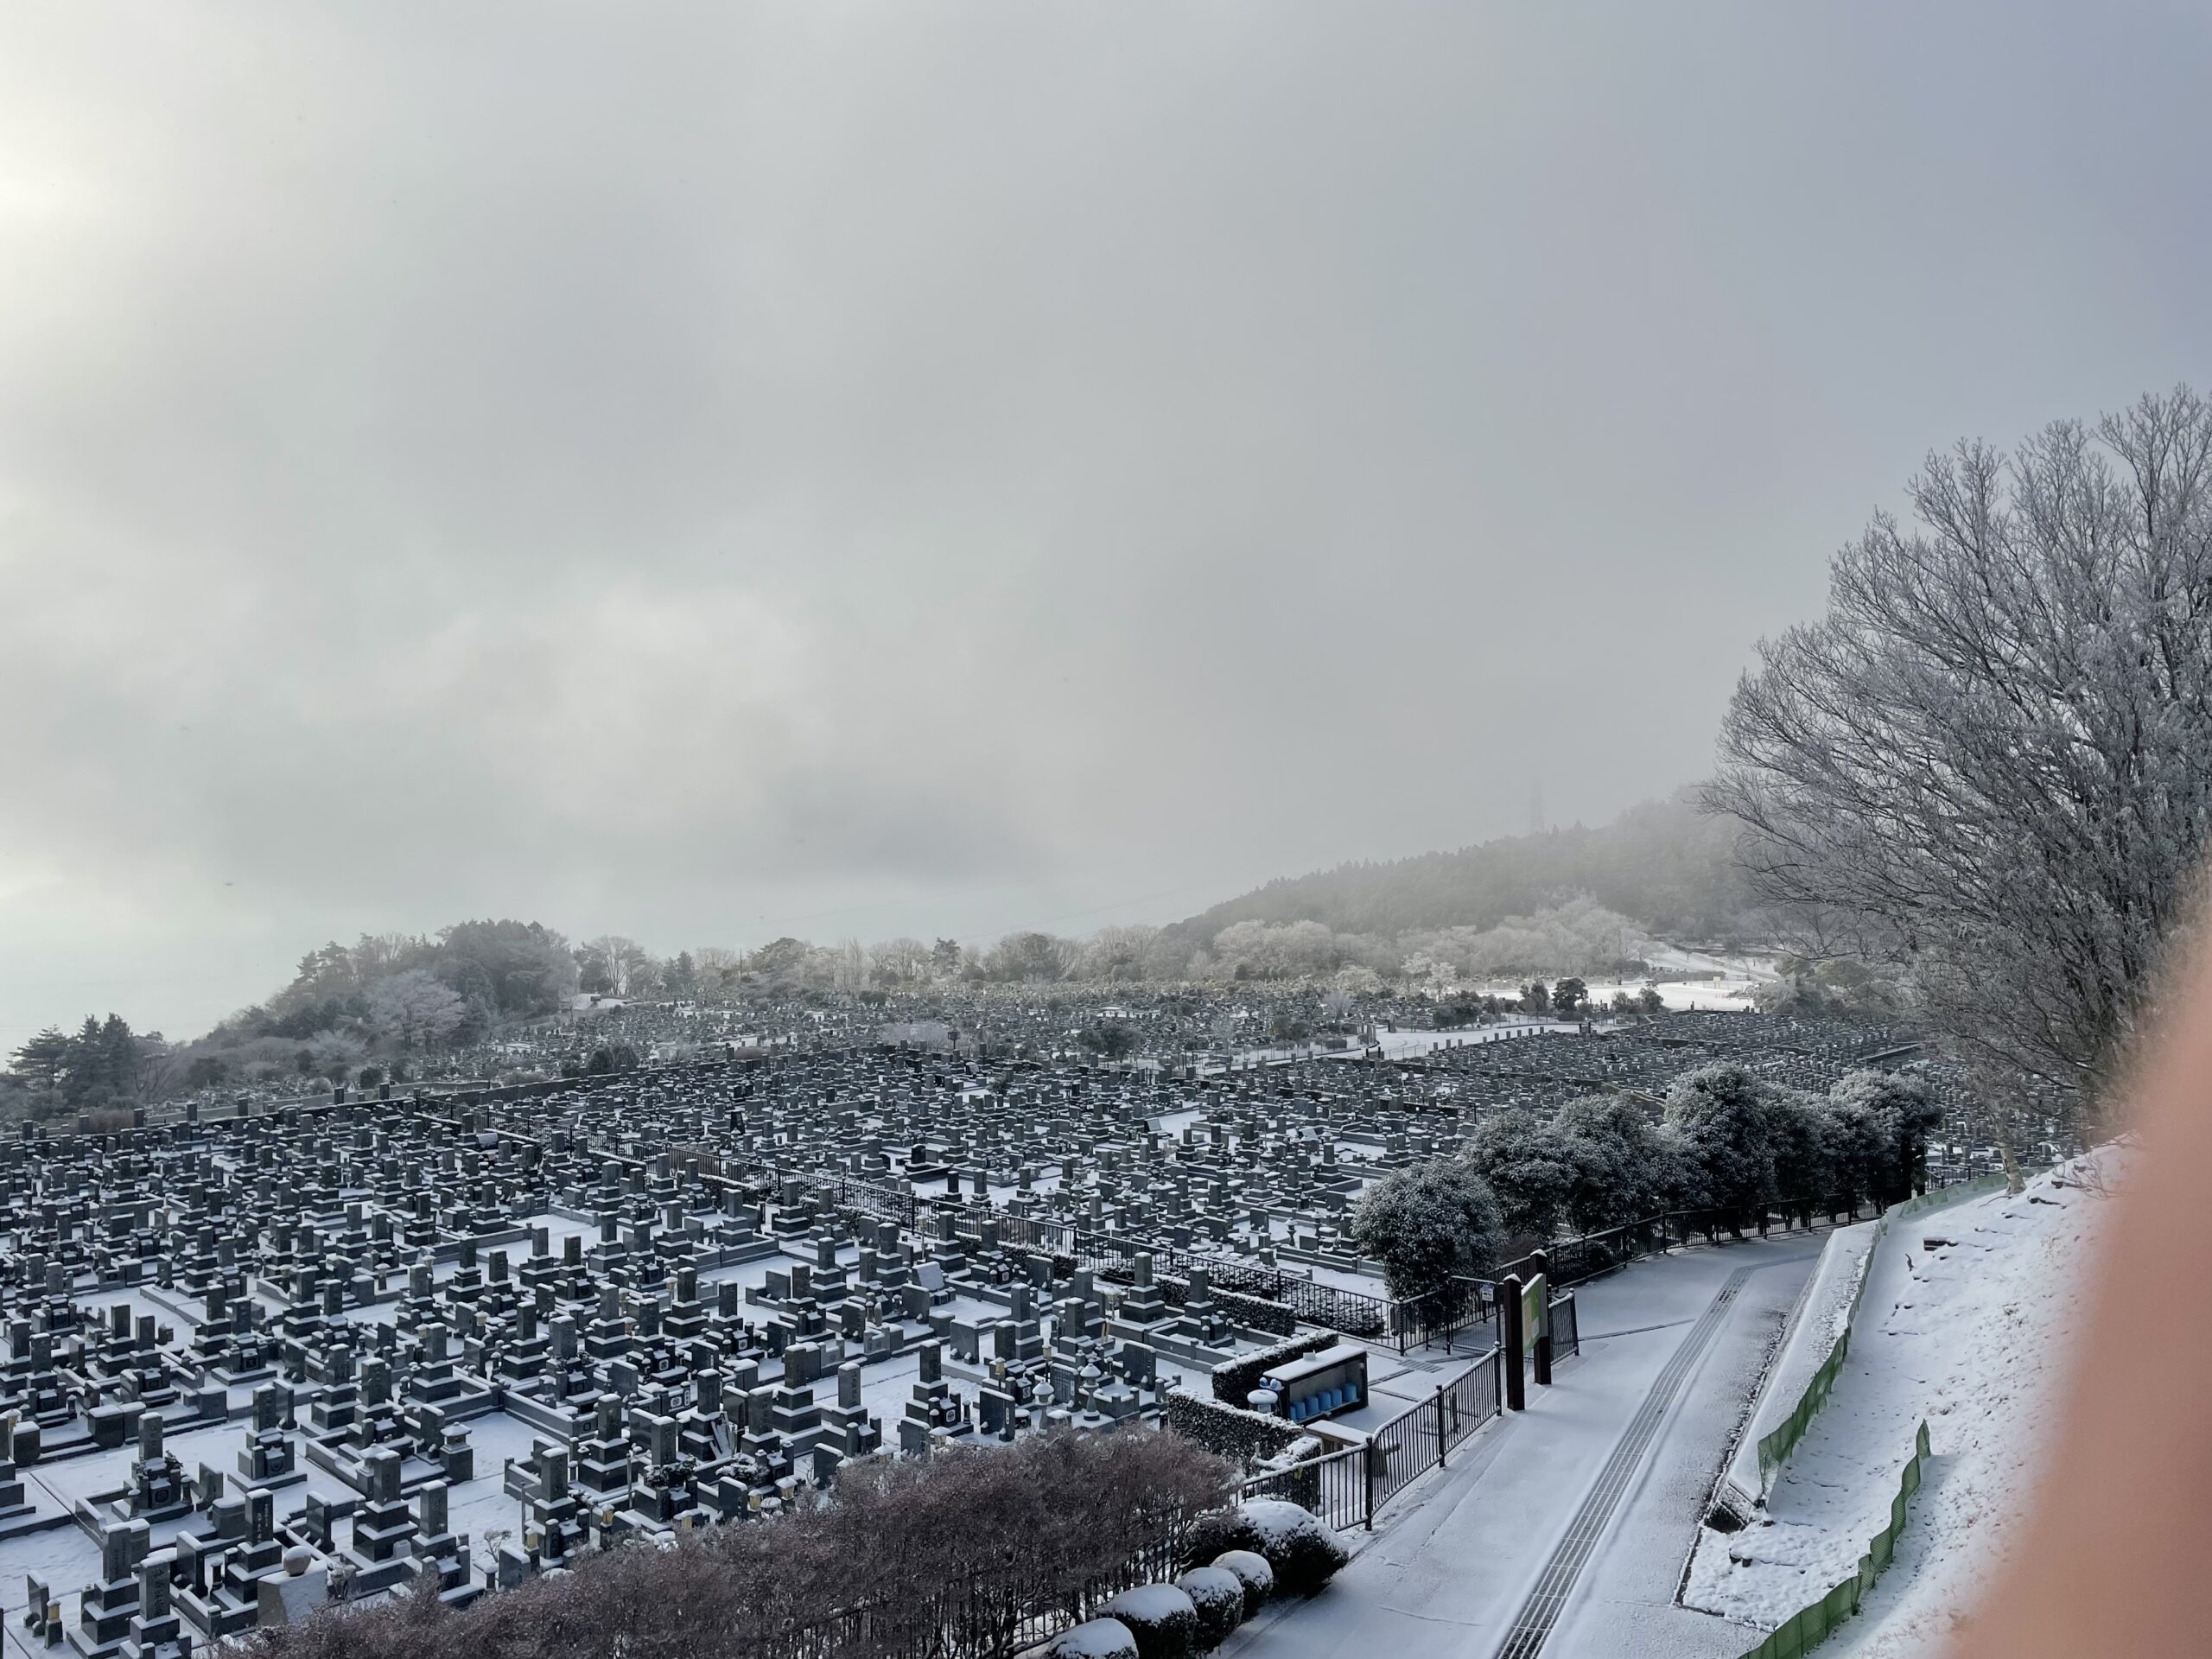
x,y
1161,1617
1230,1430
1251,1570
1096,1638
1218,1594
1301,1552
1255,1312
1234,1382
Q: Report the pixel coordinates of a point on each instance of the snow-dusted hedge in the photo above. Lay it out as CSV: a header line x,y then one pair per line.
x,y
1228,1430
1254,1310
1161,1618
1218,1594
1233,1383
1301,1552
1251,1571
1098,1638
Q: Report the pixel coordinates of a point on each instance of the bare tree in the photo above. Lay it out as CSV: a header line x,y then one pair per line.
x,y
623,963
414,1009
899,962
1992,753
716,967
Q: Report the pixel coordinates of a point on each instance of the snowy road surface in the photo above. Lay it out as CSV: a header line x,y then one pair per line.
x,y
1459,1556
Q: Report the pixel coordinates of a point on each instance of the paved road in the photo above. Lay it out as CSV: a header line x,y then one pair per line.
x,y
1624,1601
1463,1553
1562,1571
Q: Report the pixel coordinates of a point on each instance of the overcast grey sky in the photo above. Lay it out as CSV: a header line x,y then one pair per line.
x,y
713,471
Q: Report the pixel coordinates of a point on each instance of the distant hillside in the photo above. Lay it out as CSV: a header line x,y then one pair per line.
x,y
1663,864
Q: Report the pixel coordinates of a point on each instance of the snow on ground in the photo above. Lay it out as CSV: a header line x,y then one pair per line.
x,y
1962,1324
1453,1557
1411,1045
1815,1324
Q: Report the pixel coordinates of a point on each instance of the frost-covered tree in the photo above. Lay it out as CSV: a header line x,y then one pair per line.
x,y
899,961
1720,1112
1904,1112
1260,951
1989,756
1530,1170
1626,1166
1802,1139
334,1054
1357,980
1030,958
1860,1156
414,1009
1426,1224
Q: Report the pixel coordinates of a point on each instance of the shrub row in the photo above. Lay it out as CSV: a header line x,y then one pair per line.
x,y
1255,1312
1233,1383
1231,1431
1272,1546
996,1533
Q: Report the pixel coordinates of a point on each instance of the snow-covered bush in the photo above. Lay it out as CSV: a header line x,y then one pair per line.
x,y
1428,1223
1218,1595
1302,1554
1303,1449
1255,1312
1098,1638
1161,1618
1251,1571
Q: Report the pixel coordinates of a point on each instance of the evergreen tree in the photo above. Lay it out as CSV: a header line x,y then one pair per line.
x,y
1720,1111
1906,1114
1626,1166
1427,1223
1529,1169
42,1058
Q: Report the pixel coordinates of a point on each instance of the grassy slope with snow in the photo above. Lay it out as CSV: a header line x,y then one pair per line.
x,y
1969,1335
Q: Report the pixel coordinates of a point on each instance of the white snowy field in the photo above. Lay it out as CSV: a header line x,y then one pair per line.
x,y
1963,1323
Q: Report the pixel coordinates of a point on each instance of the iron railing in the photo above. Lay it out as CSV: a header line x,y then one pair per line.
x,y
1564,1327
987,1616
1574,1259
1334,1488
1346,1488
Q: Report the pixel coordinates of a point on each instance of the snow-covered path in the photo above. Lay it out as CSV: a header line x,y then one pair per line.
x,y
1457,1557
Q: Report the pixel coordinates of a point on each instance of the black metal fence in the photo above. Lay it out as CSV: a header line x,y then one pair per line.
x,y
1467,1304
1574,1259
1346,1488
986,1617
893,1201
1565,1326
1334,1487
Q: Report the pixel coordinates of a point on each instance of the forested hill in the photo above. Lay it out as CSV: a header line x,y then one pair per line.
x,y
1663,864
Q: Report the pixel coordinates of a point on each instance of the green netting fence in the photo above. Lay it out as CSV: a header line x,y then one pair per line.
x,y
1810,1626
1775,1447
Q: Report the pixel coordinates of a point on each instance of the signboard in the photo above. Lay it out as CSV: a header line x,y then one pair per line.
x,y
1536,1301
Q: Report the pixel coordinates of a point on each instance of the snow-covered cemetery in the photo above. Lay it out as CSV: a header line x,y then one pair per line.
x,y
1012,831
266,1357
